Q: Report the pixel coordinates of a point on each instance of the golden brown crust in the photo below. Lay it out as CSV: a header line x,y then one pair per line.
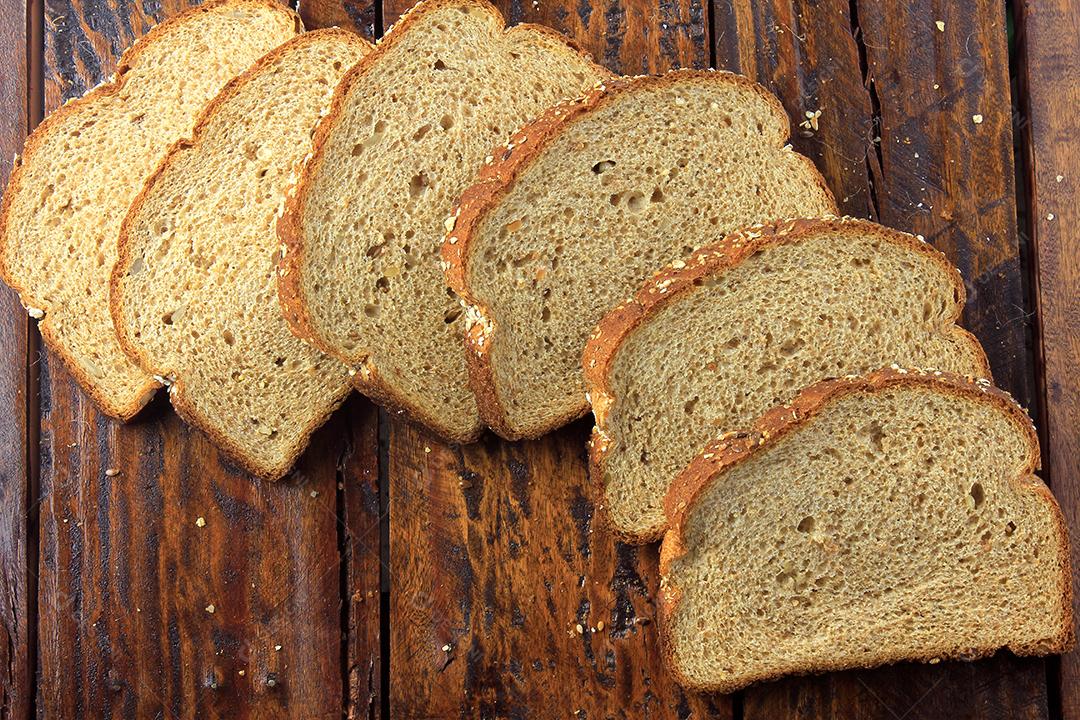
x,y
726,452
674,281
367,379
33,142
494,182
126,255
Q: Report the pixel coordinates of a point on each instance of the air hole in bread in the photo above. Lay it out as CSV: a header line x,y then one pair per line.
x,y
446,122
438,65
418,184
978,495
421,132
603,166
806,525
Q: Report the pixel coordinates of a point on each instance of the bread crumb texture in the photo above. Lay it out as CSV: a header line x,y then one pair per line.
x,y
195,294
85,164
655,168
900,521
755,319
409,129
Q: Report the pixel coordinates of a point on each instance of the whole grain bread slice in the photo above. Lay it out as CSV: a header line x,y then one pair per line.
x,y
586,202
82,167
875,519
408,128
709,344
194,291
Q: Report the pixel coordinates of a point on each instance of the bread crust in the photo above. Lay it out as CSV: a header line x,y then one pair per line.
x,y
366,376
494,182
125,257
113,86
673,282
728,451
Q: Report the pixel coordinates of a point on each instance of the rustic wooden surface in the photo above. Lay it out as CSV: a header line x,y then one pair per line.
x,y
1049,59
405,578
18,581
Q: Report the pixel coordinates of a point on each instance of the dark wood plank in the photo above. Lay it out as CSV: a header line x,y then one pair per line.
x,y
806,54
495,558
885,70
17,576
362,518
1049,52
947,158
146,610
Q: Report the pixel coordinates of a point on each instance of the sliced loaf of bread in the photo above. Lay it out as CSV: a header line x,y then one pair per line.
x,y
876,519
84,165
709,344
194,292
408,128
586,202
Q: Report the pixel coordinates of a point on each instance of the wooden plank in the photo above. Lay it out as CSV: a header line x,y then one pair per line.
x,y
144,610
805,53
362,520
877,68
1049,52
494,555
17,576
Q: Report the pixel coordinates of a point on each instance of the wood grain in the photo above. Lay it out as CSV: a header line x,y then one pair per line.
x,y
362,519
1049,55
17,488
146,611
871,67
507,599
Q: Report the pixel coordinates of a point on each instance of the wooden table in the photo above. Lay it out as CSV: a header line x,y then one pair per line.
x,y
394,576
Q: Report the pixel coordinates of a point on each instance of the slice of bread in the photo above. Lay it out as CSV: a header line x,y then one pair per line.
x,y
84,165
408,128
194,292
877,519
586,203
708,345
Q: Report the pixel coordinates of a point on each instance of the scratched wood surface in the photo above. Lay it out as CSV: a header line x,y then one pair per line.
x,y
403,578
